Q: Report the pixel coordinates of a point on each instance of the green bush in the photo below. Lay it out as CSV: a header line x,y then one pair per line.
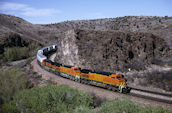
x,y
119,106
33,48
159,109
9,108
50,98
60,108
33,51
11,81
83,109
127,106
16,53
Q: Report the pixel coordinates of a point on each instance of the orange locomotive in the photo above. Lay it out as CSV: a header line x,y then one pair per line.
x,y
105,79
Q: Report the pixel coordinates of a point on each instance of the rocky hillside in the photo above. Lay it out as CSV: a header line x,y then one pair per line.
x,y
127,38
111,50
44,34
140,47
158,25
15,31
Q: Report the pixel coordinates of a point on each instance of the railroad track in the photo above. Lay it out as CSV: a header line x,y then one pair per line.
x,y
161,97
154,92
142,93
97,91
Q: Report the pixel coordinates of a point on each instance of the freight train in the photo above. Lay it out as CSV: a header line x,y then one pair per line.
x,y
111,81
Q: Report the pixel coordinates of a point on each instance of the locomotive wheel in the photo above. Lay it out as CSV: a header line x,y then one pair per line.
x,y
73,78
85,82
121,90
82,81
114,89
79,80
88,82
109,88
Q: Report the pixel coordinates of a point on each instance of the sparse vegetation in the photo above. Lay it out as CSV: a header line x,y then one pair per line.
x,y
51,98
65,99
11,81
33,48
154,78
83,109
16,53
128,106
159,79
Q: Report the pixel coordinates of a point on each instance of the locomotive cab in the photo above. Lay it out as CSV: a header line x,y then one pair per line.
x,y
76,69
120,82
76,72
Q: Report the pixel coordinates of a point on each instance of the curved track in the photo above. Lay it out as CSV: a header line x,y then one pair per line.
x,y
162,97
168,94
100,92
151,95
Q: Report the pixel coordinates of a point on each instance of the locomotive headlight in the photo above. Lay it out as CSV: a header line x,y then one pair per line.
x,y
123,85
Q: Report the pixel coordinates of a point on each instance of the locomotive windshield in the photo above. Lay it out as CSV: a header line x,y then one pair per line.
x,y
122,76
119,77
76,69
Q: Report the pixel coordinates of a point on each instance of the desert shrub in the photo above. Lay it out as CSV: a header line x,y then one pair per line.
x,y
9,108
16,53
83,109
34,51
127,106
33,48
11,81
119,106
50,98
148,109
60,108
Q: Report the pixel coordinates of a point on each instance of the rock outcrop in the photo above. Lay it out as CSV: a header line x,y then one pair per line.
x,y
111,50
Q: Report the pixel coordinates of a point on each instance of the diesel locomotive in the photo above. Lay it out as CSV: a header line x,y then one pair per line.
x,y
111,81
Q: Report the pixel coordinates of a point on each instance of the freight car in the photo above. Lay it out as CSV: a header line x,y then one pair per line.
x,y
115,82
